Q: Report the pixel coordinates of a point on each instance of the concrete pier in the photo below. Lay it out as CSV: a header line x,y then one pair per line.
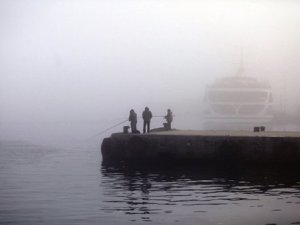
x,y
203,147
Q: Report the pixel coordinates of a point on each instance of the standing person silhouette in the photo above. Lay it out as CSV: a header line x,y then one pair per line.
x,y
133,121
169,118
147,115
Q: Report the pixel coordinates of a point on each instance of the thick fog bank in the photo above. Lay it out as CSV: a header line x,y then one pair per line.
x,y
70,69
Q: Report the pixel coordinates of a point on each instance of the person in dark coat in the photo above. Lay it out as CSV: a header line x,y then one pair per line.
x,y
133,121
169,118
147,115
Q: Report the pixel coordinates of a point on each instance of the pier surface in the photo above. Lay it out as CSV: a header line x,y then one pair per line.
x,y
228,133
204,147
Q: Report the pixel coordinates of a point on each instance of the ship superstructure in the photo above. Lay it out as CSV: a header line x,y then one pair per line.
x,y
238,102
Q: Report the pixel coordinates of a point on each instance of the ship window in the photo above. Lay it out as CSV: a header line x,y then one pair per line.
x,y
237,96
251,109
223,109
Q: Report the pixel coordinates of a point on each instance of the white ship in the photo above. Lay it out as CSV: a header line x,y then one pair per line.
x,y
238,102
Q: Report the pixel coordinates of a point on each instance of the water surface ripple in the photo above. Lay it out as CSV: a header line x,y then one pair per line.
x,y
207,195
46,185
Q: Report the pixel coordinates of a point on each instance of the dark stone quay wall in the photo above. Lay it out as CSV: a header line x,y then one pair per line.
x,y
204,147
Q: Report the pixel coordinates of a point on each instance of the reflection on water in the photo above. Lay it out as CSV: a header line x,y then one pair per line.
x,y
206,195
45,185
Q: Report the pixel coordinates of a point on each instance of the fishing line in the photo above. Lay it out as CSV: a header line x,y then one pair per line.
x,y
109,128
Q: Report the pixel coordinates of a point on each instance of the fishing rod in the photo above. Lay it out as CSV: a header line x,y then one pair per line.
x,y
109,128
160,116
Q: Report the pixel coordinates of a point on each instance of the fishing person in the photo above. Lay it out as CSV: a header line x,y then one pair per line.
x,y
147,115
133,120
169,118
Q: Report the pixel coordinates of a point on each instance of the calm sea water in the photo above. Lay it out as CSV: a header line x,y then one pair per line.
x,y
46,185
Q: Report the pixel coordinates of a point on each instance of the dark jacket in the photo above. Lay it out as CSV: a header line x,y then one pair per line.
x,y
169,117
147,115
132,117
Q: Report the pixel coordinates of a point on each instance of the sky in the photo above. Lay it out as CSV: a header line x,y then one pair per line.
x,y
85,61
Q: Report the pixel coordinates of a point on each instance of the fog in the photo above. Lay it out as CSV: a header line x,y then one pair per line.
x,y
69,69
